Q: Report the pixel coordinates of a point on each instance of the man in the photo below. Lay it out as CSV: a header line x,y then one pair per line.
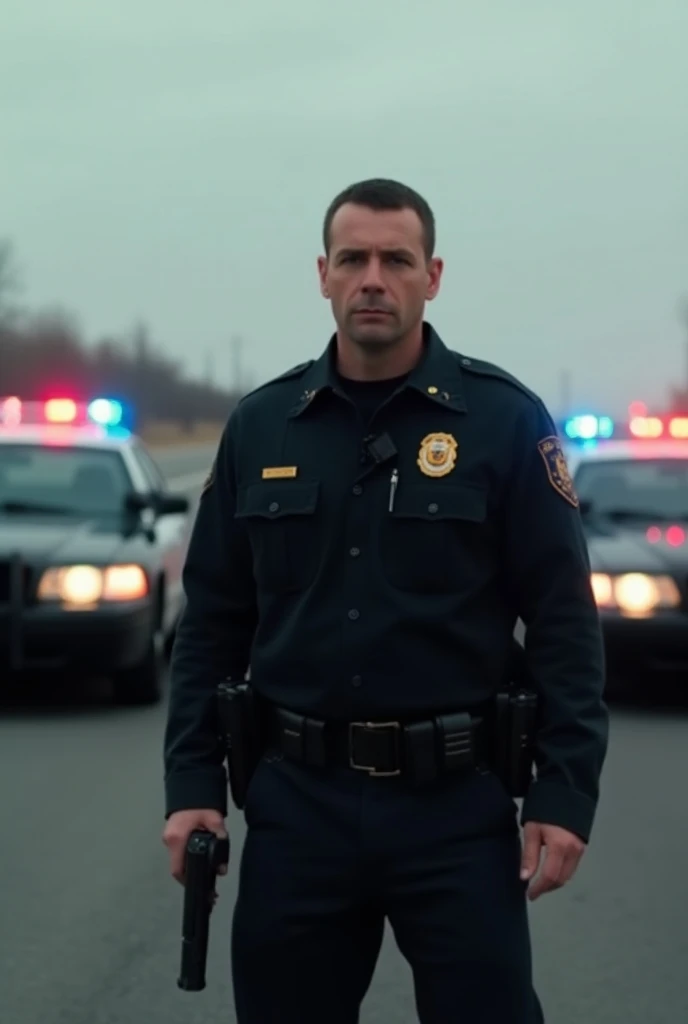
x,y
375,523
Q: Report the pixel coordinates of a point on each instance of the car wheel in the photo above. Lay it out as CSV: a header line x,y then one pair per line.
x,y
143,683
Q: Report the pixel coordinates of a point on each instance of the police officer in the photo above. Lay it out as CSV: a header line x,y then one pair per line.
x,y
375,522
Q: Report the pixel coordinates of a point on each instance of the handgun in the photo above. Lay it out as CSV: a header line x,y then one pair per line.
x,y
205,853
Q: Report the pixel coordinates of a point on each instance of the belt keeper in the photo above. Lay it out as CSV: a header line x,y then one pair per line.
x,y
420,753
456,741
291,734
301,738
314,742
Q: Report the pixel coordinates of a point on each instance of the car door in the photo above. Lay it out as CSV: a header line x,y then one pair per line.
x,y
173,537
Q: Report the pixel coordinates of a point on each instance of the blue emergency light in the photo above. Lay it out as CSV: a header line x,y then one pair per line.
x,y
106,412
588,427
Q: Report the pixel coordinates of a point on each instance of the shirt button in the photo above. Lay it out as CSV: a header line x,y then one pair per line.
x,y
357,681
354,552
433,507
274,506
357,489
353,614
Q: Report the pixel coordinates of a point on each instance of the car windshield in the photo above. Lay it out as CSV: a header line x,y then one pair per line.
x,y
49,479
642,489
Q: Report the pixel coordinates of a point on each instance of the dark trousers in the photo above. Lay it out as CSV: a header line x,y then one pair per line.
x,y
329,855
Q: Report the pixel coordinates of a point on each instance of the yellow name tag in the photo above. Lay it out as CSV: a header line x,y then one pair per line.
x,y
279,472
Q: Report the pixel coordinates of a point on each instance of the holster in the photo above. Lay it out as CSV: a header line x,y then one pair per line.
x,y
517,708
242,735
514,739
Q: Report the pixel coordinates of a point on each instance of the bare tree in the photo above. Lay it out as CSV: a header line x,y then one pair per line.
x,y
9,284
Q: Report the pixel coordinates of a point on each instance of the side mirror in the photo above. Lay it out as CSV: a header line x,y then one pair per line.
x,y
161,504
135,502
171,504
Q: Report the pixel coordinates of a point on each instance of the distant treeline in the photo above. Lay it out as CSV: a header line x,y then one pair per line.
x,y
44,355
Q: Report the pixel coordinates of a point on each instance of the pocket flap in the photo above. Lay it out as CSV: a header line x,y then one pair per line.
x,y
274,499
432,501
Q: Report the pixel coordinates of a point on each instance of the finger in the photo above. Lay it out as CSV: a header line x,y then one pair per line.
x,y
549,877
222,869
532,850
177,858
571,862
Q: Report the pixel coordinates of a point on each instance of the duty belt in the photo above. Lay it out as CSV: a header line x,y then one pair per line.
x,y
419,750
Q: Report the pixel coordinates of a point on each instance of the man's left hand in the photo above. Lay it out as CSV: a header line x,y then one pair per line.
x,y
563,851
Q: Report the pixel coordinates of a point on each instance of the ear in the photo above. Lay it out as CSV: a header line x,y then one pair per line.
x,y
322,275
435,268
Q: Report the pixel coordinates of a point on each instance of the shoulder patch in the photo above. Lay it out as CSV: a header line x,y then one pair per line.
x,y
551,450
482,368
293,374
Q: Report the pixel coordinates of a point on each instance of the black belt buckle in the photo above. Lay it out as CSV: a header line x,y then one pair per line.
x,y
375,727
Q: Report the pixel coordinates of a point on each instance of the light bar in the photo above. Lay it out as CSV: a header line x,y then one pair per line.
x,y
64,412
588,427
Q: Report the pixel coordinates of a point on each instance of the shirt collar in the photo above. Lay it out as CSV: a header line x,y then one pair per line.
x,y
437,376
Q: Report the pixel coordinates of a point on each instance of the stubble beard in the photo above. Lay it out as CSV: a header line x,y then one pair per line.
x,y
372,339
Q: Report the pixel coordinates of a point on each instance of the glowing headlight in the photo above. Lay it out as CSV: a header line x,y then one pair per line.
x,y
635,593
603,589
82,586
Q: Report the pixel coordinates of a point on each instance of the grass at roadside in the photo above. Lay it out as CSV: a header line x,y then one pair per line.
x,y
173,435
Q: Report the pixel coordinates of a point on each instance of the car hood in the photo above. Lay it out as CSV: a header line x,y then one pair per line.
x,y
628,550
42,538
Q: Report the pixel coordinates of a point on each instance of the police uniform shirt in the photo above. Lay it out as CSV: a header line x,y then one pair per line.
x,y
388,585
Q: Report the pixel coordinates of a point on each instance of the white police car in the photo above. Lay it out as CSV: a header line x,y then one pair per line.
x,y
91,548
633,492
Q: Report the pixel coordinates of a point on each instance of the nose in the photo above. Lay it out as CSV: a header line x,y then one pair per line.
x,y
372,279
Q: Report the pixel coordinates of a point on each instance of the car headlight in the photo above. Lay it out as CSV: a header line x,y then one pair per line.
x,y
83,586
635,593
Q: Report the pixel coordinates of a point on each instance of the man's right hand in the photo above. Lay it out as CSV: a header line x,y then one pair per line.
x,y
179,827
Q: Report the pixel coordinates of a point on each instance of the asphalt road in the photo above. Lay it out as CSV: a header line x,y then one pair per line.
x,y
90,921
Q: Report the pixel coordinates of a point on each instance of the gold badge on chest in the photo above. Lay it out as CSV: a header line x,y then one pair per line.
x,y
437,454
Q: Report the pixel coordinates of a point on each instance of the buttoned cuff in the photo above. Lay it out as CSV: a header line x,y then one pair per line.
x,y
550,803
195,790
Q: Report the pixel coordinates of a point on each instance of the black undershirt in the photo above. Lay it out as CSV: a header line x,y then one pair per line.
x,y
368,395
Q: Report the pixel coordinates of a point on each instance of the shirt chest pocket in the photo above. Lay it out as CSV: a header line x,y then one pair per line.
x,y
280,518
435,540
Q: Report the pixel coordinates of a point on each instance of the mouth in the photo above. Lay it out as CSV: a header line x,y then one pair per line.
x,y
372,312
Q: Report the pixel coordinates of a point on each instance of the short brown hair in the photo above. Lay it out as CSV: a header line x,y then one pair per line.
x,y
384,194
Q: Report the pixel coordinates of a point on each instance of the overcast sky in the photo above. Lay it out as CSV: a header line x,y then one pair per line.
x,y
172,161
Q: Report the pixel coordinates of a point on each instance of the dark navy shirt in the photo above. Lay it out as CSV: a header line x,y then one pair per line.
x,y
388,585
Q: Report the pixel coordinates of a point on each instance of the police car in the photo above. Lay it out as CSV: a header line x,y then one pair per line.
x,y
632,484
91,548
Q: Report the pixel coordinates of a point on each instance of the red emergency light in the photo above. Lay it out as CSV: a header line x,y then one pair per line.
x,y
60,410
674,536
652,427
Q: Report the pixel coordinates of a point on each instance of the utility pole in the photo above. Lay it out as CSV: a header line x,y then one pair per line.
x,y
681,392
237,363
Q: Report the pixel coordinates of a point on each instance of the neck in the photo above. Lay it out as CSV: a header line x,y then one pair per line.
x,y
358,363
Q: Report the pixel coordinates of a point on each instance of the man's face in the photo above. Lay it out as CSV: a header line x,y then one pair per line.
x,y
377,276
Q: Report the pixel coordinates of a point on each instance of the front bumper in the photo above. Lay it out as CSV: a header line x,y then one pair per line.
x,y
100,641
652,645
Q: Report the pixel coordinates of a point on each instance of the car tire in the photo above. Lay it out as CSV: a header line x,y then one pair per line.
x,y
142,684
